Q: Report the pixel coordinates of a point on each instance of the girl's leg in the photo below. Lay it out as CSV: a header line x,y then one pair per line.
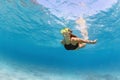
x,y
81,45
78,40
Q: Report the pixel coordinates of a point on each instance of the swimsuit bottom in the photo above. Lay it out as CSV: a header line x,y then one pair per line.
x,y
70,46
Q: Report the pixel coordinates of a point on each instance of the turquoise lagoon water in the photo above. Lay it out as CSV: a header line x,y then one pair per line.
x,y
30,37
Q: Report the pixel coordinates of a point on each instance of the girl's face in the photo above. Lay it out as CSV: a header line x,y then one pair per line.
x,y
66,34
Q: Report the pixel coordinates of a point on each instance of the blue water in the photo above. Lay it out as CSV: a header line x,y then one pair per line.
x,y
29,36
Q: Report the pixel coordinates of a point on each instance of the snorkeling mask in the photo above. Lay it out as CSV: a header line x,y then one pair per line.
x,y
65,30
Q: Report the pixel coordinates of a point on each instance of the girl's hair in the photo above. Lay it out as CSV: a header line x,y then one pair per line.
x,y
65,30
72,35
